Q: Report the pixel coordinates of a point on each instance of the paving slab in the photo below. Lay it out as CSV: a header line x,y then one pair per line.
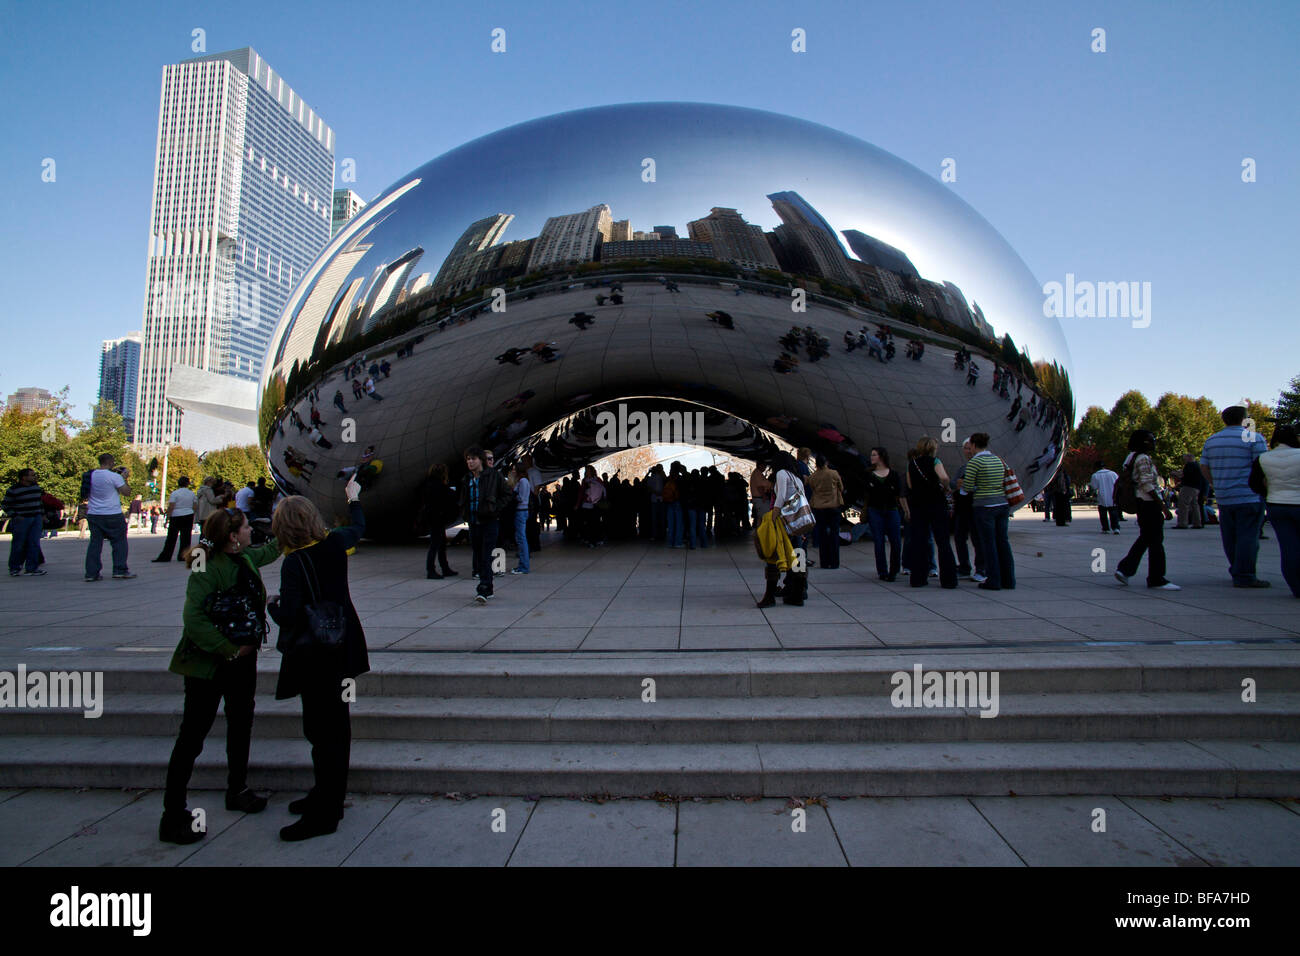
x,y
35,820
613,833
917,831
1227,832
757,833
437,831
1058,831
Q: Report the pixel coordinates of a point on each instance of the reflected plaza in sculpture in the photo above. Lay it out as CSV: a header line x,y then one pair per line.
x,y
783,283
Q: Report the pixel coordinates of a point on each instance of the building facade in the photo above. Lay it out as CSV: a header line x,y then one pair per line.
x,y
242,203
119,376
28,400
346,205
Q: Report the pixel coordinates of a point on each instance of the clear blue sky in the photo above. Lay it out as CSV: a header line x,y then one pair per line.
x,y
1122,166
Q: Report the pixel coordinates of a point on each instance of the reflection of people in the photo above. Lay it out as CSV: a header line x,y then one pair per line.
x,y
582,320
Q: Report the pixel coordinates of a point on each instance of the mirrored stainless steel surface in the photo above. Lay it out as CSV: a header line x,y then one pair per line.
x,y
662,256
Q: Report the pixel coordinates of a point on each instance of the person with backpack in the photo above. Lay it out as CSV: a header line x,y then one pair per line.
x,y
985,479
1138,492
225,625
322,645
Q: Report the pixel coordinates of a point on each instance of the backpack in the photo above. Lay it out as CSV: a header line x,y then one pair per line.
x,y
1126,495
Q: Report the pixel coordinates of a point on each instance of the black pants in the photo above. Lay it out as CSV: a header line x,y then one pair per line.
x,y
437,551
1109,517
1061,508
1150,541
828,536
327,725
482,539
235,681
928,521
963,530
178,529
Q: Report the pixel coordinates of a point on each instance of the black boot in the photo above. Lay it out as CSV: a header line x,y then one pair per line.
x,y
245,801
308,827
795,588
771,574
178,827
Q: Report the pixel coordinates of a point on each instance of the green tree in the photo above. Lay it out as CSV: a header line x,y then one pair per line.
x,y
1262,415
237,464
1092,427
1180,425
1128,414
1288,403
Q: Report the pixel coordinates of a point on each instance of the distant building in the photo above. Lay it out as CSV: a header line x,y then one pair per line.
x,y
28,400
734,239
346,205
667,232
807,237
876,253
620,231
119,376
571,239
655,249
646,236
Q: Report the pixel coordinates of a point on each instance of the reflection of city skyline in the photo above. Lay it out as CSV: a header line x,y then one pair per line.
x,y
804,244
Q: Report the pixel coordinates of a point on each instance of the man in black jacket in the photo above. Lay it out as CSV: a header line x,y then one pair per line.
x,y
483,498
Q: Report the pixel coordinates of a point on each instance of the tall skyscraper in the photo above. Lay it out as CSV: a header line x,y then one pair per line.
x,y
119,375
28,400
466,260
734,240
242,200
812,237
873,252
346,205
572,238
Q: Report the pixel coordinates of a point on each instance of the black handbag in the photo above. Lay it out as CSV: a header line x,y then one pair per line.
x,y
327,622
235,616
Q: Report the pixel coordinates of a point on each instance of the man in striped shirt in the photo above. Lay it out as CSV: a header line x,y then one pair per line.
x,y
1226,460
983,480
22,503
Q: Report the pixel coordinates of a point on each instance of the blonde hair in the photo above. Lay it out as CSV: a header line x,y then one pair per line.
x,y
926,446
297,523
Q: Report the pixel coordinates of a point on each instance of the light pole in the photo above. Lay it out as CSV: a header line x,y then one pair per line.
x,y
167,447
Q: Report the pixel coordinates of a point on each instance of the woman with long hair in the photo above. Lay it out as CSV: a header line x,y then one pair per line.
x,y
926,481
225,625
1276,475
314,585
794,589
1140,467
885,499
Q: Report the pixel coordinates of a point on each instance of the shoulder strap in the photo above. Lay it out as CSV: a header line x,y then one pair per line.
x,y
312,584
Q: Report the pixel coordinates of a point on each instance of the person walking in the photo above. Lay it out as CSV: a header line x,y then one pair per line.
x,y
788,506
338,401
523,495
439,509
180,521
484,497
1226,460
106,484
1151,514
827,501
314,585
1103,483
1190,491
22,503
154,514
963,522
985,476
926,480
1277,477
135,513
885,498
224,626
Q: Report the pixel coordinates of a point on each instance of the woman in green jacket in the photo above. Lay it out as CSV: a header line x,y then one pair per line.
x,y
225,624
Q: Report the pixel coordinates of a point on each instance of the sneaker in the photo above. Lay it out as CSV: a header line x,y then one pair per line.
x,y
36,572
1167,586
480,599
97,577
1257,583
1116,531
978,578
14,574
518,571
123,577
1121,578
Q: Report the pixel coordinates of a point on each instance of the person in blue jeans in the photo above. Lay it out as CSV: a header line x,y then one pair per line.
x,y
984,480
22,503
523,491
884,498
104,515
1226,460
673,505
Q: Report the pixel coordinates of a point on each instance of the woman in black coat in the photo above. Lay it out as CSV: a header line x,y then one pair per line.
x,y
439,507
315,569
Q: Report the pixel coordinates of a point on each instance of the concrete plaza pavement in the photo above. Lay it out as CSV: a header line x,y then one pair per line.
x,y
637,600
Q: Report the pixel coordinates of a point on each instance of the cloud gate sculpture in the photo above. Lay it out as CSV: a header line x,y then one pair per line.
x,y
768,281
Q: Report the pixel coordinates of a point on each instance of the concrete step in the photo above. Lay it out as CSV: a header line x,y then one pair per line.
x,y
844,718
1209,768
805,675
